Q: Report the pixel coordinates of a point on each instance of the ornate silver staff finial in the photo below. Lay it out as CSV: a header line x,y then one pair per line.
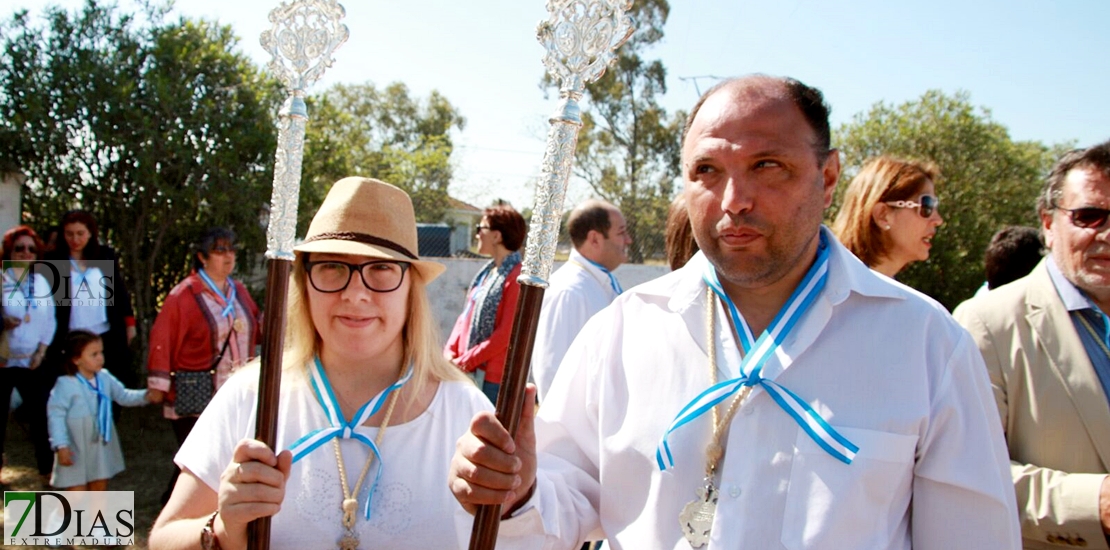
x,y
304,36
581,38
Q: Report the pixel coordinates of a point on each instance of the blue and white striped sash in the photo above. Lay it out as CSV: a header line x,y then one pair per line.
x,y
756,355
103,406
339,427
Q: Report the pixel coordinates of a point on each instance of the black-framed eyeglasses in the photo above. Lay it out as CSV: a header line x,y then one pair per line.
x,y
925,207
334,276
24,248
1087,217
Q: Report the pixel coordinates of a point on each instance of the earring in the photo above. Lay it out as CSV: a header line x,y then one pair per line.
x,y
886,228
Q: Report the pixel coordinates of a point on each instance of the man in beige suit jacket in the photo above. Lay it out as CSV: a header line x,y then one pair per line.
x,y
1045,342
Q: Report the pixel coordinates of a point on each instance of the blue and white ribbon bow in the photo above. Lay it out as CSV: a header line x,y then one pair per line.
x,y
756,355
339,427
79,277
613,282
103,406
229,300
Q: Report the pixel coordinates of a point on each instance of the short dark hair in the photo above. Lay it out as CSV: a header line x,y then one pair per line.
x,y
76,342
211,237
92,249
592,215
1095,158
1012,253
808,99
510,223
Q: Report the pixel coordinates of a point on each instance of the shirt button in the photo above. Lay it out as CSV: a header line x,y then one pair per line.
x,y
734,491
748,410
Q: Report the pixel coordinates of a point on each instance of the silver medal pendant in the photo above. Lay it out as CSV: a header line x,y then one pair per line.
x,y
696,518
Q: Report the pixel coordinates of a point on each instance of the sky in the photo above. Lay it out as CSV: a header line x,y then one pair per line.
x,y
1036,65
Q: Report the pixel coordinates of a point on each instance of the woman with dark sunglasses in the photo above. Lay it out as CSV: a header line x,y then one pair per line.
x,y
890,214
28,328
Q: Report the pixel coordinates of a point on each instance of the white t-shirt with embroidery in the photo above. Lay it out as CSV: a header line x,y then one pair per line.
x,y
412,505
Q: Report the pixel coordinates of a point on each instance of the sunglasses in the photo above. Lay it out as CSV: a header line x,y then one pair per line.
x,y
24,248
925,208
478,229
1087,217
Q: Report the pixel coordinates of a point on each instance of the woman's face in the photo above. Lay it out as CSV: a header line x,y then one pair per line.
x,y
220,261
486,237
357,323
911,236
23,249
77,236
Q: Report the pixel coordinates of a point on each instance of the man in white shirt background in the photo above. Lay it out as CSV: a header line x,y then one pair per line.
x,y
583,286
773,393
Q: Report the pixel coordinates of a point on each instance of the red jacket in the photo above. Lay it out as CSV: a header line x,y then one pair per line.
x,y
491,354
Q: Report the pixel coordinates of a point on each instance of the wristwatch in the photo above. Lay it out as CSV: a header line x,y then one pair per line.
x,y
208,539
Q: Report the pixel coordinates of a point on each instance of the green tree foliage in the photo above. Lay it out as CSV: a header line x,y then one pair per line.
x,y
154,126
987,180
380,133
629,146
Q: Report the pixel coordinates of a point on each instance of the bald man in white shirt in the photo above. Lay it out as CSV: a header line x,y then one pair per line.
x,y
583,286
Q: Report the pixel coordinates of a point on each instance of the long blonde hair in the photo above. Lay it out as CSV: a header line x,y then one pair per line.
x,y
421,337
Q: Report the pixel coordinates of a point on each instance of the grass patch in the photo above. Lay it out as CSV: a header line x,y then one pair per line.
x,y
148,447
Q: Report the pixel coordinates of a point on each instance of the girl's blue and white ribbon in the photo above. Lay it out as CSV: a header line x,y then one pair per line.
x,y
339,427
613,282
103,406
229,300
756,355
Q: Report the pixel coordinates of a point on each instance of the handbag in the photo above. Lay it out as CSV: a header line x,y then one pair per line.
x,y
194,389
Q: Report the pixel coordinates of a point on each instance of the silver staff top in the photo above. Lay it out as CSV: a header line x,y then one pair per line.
x,y
304,36
580,38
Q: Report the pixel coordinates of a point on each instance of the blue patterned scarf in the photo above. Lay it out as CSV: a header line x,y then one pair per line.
x,y
486,297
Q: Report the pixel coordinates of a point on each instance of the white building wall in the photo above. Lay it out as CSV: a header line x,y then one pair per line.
x,y
11,202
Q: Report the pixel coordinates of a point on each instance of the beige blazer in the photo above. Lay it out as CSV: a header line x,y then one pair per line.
x,y
1054,411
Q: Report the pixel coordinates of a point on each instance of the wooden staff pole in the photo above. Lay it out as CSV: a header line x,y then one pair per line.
x,y
304,36
580,39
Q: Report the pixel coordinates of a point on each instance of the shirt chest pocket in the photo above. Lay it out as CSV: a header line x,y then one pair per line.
x,y
862,505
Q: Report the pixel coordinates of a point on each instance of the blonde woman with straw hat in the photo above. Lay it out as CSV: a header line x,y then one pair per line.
x,y
369,411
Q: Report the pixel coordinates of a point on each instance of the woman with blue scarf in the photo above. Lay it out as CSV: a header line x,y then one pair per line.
x,y
480,339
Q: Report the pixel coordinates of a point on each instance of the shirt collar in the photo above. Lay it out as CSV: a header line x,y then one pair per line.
x,y
1073,298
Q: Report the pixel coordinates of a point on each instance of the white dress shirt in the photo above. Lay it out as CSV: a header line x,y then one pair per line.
x,y
576,292
884,365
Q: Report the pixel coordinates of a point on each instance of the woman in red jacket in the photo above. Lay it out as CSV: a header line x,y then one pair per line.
x,y
208,326
480,339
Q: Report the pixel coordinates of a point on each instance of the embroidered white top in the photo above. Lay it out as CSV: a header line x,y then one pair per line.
x,y
89,310
412,506
24,339
886,366
576,292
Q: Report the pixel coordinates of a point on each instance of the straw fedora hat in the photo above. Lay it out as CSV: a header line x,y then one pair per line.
x,y
368,217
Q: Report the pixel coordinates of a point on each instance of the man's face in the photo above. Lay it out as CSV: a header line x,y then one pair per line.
x,y
755,187
1083,254
614,246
